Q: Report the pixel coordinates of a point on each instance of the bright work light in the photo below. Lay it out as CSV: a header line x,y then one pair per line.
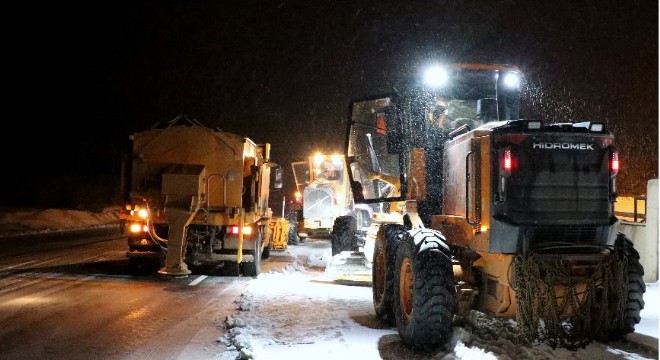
x,y
436,76
596,127
511,80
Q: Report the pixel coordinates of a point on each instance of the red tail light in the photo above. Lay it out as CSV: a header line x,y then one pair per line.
x,y
614,162
507,162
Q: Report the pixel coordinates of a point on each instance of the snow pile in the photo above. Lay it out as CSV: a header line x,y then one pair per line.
x,y
14,222
316,261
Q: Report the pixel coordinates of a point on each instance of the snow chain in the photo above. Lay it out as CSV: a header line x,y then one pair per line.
x,y
549,291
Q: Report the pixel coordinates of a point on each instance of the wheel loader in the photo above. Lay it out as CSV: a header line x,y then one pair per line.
x,y
508,216
198,200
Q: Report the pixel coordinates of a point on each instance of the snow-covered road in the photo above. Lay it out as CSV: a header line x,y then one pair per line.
x,y
300,313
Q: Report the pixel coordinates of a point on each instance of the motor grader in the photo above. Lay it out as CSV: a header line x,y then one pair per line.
x,y
198,200
511,217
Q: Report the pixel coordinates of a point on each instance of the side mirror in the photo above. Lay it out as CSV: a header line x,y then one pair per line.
x,y
276,177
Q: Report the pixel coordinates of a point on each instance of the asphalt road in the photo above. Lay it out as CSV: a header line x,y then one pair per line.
x,y
72,296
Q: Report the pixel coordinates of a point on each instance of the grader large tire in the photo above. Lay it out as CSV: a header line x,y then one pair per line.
x,y
343,234
424,288
636,286
382,272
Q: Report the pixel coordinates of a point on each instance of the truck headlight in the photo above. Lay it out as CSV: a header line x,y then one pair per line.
x,y
143,213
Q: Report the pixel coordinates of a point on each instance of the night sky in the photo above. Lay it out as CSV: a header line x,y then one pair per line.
x,y
83,76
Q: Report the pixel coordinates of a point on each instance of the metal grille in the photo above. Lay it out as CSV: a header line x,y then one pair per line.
x,y
317,203
574,235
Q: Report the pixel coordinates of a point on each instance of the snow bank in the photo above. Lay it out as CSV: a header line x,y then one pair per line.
x,y
27,221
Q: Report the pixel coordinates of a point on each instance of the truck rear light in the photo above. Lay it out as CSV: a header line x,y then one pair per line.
x,y
138,228
247,230
614,162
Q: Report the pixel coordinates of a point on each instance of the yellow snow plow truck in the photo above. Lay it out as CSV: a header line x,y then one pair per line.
x,y
510,217
198,200
322,181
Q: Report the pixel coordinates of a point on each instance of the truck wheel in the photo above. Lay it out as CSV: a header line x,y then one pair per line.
x,y
253,268
343,234
265,254
636,287
424,288
387,240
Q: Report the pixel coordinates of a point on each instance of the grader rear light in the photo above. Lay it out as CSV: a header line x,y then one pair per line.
x,y
614,170
507,165
507,161
614,162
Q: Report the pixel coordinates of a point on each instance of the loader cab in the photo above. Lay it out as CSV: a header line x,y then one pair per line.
x,y
388,133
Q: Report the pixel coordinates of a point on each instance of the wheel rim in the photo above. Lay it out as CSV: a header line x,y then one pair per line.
x,y
379,275
405,288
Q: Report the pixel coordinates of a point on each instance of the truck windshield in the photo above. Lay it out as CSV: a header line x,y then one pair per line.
x,y
375,169
477,94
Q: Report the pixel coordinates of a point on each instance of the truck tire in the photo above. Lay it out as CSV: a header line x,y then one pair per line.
x,y
253,268
265,254
382,272
424,290
636,286
343,234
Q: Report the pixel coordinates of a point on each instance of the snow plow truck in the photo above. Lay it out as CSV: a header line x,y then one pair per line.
x,y
198,199
511,217
322,181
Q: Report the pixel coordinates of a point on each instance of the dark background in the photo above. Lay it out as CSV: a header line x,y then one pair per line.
x,y
83,76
